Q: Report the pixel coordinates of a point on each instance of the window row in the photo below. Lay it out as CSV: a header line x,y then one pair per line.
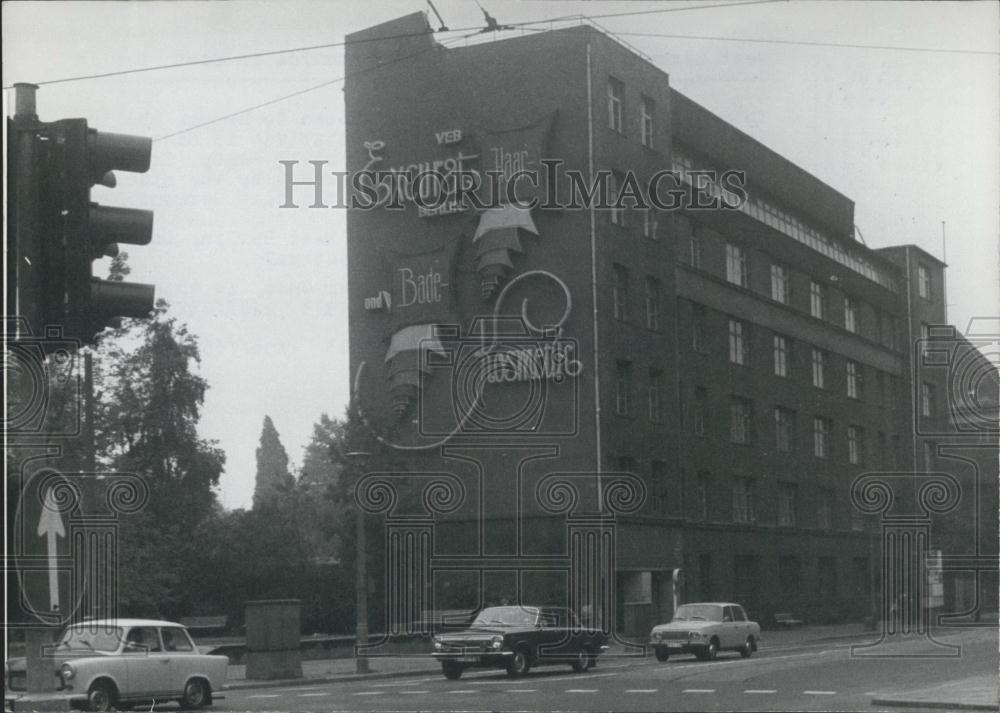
x,y
791,225
786,433
617,114
651,298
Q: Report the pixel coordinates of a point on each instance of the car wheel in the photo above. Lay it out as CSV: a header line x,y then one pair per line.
x,y
662,653
518,664
710,651
746,651
196,694
451,670
101,697
583,661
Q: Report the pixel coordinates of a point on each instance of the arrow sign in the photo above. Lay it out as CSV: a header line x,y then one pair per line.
x,y
50,525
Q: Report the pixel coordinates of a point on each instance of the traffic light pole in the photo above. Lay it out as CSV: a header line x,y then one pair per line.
x,y
24,258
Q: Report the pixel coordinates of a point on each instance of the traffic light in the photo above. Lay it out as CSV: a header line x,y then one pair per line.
x,y
75,231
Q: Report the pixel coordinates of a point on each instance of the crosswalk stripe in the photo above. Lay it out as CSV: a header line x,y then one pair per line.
x,y
698,690
820,693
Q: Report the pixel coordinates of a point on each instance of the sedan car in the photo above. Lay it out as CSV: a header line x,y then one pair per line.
x,y
103,664
517,638
705,629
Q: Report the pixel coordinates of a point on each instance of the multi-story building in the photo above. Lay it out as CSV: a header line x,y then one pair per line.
x,y
746,361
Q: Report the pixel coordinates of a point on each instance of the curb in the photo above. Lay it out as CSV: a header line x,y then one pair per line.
x,y
901,703
243,684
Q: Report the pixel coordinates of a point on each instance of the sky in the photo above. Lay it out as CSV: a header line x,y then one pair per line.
x,y
911,135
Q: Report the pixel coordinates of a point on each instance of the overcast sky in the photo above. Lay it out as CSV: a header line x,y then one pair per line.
x,y
911,136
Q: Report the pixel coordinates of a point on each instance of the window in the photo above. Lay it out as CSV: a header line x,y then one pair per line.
x,y
655,395
737,342
647,108
784,429
616,90
787,503
615,182
789,573
143,637
694,250
886,330
698,320
819,368
623,387
821,437
649,224
743,500
780,355
824,509
854,379
700,410
779,284
660,490
827,580
176,639
924,282
881,445
925,336
702,493
620,292
861,578
850,315
855,445
816,301
736,265
926,399
653,304
705,577
741,420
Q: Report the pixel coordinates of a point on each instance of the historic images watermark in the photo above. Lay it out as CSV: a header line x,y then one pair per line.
x,y
447,186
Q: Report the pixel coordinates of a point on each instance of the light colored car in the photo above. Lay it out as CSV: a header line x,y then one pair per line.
x,y
704,629
116,663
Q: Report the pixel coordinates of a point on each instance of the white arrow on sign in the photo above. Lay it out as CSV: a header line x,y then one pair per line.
x,y
50,524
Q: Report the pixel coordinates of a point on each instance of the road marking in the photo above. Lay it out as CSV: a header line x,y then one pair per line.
x,y
760,690
412,693
469,691
520,690
698,690
641,690
309,695
369,693
820,693
571,677
581,690
265,695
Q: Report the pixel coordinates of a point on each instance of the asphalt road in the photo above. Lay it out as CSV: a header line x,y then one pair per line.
x,y
815,677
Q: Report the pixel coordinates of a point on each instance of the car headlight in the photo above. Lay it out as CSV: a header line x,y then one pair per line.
x,y
67,672
657,635
497,642
695,635
437,643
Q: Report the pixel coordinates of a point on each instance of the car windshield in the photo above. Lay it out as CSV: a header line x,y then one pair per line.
x,y
698,612
91,638
506,616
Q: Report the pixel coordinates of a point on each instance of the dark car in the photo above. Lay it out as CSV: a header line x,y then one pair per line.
x,y
517,638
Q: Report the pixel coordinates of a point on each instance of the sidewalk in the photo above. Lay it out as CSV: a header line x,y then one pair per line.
x,y
973,693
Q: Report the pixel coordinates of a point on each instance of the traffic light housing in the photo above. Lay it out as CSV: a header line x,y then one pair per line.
x,y
75,231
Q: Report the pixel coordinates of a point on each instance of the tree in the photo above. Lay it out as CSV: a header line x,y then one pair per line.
x,y
273,480
148,404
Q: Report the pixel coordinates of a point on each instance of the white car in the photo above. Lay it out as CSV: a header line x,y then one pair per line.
x,y
117,663
704,629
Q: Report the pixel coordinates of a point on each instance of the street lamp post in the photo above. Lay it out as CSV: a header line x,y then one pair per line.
x,y
358,460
